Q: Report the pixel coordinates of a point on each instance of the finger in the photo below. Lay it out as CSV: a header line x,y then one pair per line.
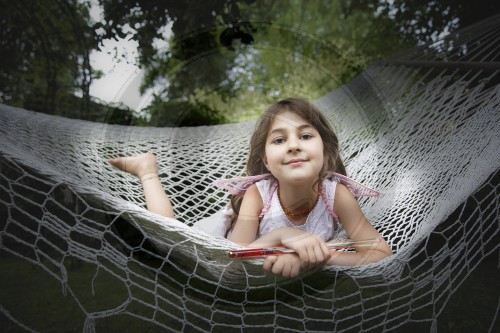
x,y
326,250
285,272
268,263
305,259
277,268
312,257
320,257
303,256
315,252
295,271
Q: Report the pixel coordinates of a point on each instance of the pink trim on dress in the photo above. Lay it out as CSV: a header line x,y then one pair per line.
x,y
268,203
238,186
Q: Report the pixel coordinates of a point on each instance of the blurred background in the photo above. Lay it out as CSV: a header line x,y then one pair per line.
x,y
185,63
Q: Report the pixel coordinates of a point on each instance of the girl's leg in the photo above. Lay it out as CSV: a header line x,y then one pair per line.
x,y
144,167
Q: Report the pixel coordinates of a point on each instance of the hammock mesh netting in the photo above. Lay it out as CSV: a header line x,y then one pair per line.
x,y
422,128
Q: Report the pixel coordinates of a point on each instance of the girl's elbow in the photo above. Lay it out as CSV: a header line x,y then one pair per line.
x,y
240,243
380,255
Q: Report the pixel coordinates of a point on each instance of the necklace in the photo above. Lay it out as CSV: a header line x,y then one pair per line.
x,y
294,214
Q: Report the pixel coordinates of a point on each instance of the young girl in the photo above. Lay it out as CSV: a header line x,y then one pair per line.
x,y
296,203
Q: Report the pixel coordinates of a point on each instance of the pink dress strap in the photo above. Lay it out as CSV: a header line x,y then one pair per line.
x,y
238,186
357,189
267,205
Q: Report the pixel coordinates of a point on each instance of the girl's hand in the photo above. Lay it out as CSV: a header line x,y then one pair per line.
x,y
311,249
286,265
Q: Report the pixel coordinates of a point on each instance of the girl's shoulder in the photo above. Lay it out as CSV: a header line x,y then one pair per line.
x,y
253,202
253,189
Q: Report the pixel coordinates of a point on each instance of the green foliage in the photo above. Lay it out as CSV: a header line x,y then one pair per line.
x,y
45,49
243,55
179,113
194,59
424,21
299,48
213,60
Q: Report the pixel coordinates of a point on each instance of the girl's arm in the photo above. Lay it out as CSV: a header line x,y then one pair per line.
x,y
311,249
246,227
358,228
247,224
157,200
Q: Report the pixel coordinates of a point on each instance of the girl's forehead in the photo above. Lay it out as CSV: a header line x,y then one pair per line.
x,y
289,119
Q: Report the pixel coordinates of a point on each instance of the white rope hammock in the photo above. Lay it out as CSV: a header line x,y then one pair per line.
x,y
421,130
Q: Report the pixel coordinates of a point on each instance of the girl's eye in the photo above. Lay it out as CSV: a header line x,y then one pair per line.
x,y
306,136
278,141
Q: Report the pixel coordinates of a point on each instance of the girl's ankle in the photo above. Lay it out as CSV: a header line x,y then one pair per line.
x,y
148,174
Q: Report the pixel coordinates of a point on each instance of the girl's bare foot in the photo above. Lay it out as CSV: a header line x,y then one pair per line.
x,y
138,165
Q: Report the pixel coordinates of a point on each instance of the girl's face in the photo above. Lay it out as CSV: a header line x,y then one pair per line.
x,y
294,149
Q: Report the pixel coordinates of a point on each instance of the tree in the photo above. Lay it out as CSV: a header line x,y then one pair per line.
x,y
195,57
212,57
44,51
231,55
425,21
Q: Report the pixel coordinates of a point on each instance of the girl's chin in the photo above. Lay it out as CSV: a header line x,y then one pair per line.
x,y
298,179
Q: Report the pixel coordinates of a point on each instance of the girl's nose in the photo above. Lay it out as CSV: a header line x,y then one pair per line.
x,y
293,145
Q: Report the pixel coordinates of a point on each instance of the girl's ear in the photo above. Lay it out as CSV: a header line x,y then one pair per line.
x,y
264,160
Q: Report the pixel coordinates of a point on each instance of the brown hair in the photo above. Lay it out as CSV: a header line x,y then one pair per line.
x,y
310,113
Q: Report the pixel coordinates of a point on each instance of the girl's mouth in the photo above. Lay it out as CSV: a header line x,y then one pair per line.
x,y
295,162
